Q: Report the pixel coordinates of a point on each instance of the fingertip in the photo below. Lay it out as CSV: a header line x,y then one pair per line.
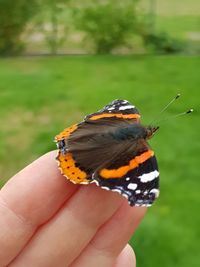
x,y
130,254
126,258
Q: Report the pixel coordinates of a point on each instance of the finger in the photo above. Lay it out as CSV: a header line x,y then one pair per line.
x,y
60,241
126,258
111,238
28,200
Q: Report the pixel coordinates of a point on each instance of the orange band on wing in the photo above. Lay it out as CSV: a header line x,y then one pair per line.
x,y
69,169
123,116
66,132
121,171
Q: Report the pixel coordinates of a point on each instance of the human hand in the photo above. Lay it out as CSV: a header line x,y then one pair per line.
x,y
46,221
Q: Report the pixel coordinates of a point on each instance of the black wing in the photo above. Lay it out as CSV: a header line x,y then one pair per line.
x,y
117,108
139,182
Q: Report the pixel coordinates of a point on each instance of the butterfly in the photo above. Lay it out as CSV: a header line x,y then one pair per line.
x,y
110,148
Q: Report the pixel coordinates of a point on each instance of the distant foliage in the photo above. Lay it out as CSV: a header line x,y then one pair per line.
x,y
104,25
52,23
14,16
162,43
107,23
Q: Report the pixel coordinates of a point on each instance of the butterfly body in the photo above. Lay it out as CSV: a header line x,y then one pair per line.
x,y
110,148
130,132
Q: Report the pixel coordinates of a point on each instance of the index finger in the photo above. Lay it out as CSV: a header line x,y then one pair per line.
x,y
28,200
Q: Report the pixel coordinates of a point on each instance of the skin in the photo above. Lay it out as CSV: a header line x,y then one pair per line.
x,y
47,221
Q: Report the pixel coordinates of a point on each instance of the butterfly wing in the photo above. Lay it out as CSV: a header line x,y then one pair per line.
x,y
79,144
116,109
92,144
88,147
137,179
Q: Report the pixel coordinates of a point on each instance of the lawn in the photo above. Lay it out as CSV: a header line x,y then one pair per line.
x,y
41,96
183,27
178,18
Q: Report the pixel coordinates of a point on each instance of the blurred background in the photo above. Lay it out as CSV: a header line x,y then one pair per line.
x,y
61,60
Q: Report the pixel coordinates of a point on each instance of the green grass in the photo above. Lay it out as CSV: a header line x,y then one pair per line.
x,y
178,18
182,27
178,8
41,96
173,7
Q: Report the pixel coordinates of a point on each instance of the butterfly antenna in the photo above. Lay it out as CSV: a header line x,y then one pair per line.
x,y
165,107
175,116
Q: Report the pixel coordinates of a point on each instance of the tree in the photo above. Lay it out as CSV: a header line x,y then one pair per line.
x,y
14,16
52,22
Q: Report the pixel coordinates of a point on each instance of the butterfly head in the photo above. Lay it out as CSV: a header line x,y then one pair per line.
x,y
151,131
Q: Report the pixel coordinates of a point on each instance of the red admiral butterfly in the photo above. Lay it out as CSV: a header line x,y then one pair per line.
x,y
110,148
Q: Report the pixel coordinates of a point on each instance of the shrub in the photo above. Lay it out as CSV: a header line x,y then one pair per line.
x,y
108,23
162,43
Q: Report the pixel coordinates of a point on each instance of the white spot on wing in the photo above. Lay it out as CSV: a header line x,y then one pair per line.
x,y
125,195
138,191
105,187
128,178
155,191
132,186
147,177
126,107
116,190
111,108
84,182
